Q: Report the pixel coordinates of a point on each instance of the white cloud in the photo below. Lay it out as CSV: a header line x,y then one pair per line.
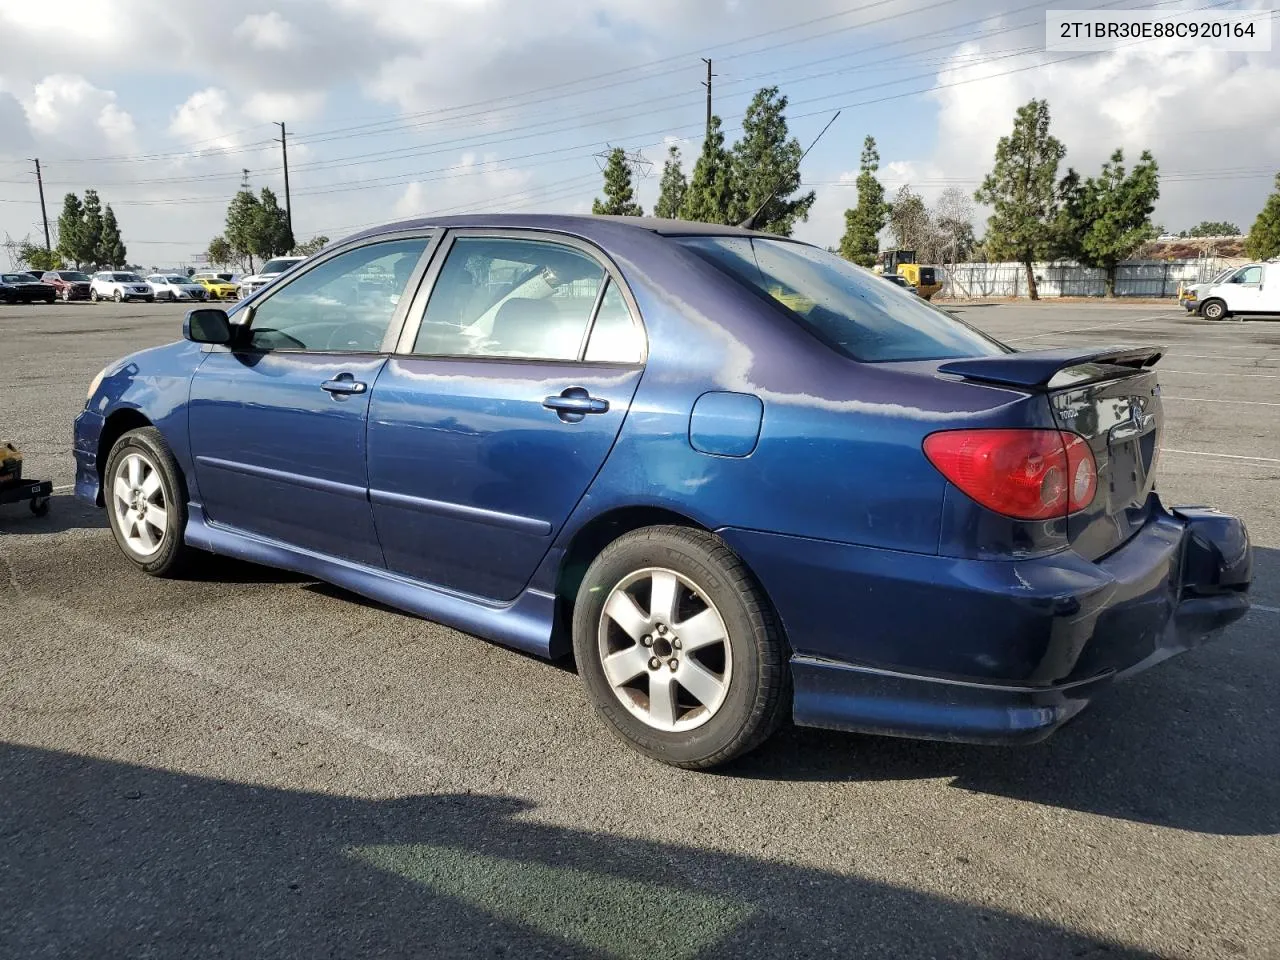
x,y
70,109
271,106
267,32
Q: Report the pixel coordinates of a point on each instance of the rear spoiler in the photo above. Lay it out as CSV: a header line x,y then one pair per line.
x,y
1037,369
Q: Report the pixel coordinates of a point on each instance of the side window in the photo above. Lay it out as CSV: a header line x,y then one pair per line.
x,y
344,305
1251,275
501,297
614,337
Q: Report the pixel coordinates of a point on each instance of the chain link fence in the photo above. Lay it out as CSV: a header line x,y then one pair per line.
x,y
1134,278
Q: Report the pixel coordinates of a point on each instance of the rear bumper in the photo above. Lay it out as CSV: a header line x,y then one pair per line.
x,y
987,651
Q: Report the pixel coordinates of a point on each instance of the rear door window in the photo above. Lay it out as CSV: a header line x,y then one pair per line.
x,y
510,297
849,308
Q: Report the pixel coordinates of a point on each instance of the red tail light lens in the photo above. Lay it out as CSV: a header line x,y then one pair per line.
x,y
1025,474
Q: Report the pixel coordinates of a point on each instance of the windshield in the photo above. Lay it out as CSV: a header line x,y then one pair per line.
x,y
126,278
17,278
176,280
851,309
74,276
277,266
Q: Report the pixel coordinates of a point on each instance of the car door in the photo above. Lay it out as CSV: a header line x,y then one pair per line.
x,y
507,391
1245,290
277,421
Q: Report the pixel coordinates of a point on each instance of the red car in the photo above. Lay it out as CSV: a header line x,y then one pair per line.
x,y
70,284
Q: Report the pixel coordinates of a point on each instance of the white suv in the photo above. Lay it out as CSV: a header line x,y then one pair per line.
x,y
119,285
270,271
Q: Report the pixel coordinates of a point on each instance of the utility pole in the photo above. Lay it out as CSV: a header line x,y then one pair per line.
x,y
707,83
44,215
284,154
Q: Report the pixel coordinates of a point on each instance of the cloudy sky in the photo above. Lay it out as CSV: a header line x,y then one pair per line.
x,y
401,107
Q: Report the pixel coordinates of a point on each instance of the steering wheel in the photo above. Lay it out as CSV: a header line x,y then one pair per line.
x,y
342,336
277,335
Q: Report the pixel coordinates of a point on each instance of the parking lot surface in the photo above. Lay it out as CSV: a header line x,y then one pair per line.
x,y
252,764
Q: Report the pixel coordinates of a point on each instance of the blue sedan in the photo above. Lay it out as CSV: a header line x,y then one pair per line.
x,y
737,478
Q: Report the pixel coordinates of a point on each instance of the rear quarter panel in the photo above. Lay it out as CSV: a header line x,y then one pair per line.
x,y
839,454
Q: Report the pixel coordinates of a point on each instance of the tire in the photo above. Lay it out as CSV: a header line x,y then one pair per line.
x,y
135,532
39,506
118,296
704,722
93,295
66,295
1214,310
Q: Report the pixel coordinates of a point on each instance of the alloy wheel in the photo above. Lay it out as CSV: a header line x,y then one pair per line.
x,y
665,650
138,499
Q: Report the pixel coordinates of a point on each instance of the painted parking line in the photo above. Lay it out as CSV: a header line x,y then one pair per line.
x,y
1220,356
1215,373
1103,326
1264,609
65,486
1224,456
1248,403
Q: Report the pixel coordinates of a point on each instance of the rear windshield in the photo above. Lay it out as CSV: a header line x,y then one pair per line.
x,y
851,309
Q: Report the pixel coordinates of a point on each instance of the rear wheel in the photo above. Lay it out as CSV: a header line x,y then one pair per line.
x,y
679,649
1214,310
146,502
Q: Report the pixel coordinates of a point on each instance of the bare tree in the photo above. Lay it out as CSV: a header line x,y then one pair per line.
x,y
953,220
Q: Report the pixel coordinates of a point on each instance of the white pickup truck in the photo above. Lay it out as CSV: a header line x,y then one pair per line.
x,y
1252,289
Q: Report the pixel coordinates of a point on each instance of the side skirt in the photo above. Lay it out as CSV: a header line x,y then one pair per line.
x,y
524,623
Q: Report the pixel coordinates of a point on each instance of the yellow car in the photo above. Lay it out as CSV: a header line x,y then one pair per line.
x,y
218,287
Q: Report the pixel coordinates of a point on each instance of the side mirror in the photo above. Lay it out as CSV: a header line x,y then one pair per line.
x,y
207,325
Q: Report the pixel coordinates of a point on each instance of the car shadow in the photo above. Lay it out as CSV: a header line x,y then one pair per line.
x,y
110,859
66,512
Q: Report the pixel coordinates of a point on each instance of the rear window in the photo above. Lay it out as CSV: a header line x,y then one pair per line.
x,y
851,309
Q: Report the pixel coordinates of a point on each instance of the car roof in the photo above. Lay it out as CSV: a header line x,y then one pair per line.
x,y
587,226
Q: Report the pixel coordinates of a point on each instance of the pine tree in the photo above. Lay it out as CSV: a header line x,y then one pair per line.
x,y
672,189
91,235
710,195
272,235
111,249
1111,213
619,198
1264,238
71,231
1021,189
243,227
863,223
765,161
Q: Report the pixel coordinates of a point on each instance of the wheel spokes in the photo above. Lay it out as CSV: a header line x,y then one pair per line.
x,y
144,535
624,666
156,517
700,630
151,484
135,471
663,593
705,686
623,611
662,698
123,492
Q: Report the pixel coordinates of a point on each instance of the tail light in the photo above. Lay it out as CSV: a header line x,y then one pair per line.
x,y
1025,474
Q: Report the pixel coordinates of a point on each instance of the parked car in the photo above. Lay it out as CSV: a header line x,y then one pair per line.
x,y
218,286
24,288
173,286
1189,294
737,476
69,284
271,270
119,285
1253,289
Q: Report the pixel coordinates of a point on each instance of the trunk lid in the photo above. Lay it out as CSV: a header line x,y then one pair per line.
x,y
1109,396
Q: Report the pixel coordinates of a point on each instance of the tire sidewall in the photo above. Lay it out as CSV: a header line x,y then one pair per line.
x,y
1210,306
148,442
748,639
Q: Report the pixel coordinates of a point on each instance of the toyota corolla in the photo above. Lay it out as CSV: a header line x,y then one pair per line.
x,y
737,478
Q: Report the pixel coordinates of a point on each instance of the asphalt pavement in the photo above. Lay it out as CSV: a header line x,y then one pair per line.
x,y
252,764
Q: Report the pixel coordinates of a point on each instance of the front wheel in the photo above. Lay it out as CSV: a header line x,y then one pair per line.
x,y
118,297
93,295
679,649
66,296
1214,310
146,502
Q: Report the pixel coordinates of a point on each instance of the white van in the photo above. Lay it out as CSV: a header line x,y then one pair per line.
x,y
1252,289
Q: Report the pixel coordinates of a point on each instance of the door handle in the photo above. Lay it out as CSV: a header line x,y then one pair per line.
x,y
344,385
574,403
